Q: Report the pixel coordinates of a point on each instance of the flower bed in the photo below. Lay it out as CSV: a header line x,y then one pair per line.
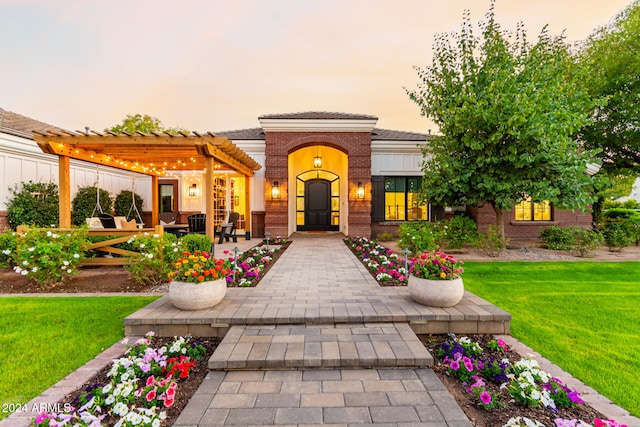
x,y
148,386
252,265
497,387
386,267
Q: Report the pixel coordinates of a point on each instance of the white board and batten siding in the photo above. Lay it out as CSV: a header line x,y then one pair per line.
x,y
21,160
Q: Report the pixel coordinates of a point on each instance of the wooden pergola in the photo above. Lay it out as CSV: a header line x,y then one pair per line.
x,y
149,154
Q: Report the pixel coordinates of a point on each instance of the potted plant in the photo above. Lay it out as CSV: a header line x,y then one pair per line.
x,y
198,281
434,279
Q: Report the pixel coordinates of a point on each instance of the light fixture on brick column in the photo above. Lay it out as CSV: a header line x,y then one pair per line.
x,y
360,191
317,160
275,191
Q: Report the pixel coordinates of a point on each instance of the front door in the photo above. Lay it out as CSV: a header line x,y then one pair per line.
x,y
318,204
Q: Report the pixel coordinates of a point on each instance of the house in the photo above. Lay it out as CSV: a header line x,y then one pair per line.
x,y
322,171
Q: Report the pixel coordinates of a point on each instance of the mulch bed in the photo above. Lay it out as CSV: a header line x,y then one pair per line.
x,y
499,416
186,388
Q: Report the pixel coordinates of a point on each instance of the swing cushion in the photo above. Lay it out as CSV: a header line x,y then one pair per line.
x,y
94,222
119,221
129,225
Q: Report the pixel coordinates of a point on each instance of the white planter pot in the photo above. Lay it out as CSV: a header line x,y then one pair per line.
x,y
436,293
197,296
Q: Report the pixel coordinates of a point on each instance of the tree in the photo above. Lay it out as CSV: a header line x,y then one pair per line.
x,y
506,112
611,58
143,123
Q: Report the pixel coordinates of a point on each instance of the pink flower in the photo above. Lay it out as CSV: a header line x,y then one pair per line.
x,y
469,366
455,365
168,402
150,380
485,397
151,395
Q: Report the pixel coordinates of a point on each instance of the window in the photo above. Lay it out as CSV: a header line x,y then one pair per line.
x,y
401,198
533,211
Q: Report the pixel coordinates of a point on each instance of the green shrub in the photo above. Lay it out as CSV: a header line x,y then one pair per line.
x,y
573,238
460,230
420,236
384,237
8,241
634,226
123,205
491,242
586,241
47,257
627,204
83,205
617,234
195,242
558,238
620,213
156,258
35,204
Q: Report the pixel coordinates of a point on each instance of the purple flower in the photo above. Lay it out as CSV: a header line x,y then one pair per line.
x,y
574,396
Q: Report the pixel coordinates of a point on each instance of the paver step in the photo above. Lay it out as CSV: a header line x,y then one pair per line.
x,y
368,345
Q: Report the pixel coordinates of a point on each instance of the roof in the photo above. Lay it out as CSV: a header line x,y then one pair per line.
x,y
376,135
19,125
397,135
319,115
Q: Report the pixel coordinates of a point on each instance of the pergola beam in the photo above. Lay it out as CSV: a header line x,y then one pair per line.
x,y
148,154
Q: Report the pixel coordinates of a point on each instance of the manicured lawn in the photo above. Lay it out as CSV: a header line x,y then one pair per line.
x,y
44,339
583,316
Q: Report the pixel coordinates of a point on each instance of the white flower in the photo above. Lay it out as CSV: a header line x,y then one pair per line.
x,y
6,252
120,409
76,256
110,399
149,256
69,271
65,263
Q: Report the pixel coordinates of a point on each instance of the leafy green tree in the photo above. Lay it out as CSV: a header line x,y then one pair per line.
x,y
143,123
35,204
611,58
506,110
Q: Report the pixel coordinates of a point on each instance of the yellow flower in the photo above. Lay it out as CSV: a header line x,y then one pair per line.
x,y
443,275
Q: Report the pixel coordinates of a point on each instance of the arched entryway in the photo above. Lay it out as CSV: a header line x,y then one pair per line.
x,y
317,201
319,192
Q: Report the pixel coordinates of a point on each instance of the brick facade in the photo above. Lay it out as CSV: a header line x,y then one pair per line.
x,y
513,229
278,146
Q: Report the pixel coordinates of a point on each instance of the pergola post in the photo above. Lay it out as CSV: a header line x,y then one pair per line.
x,y
155,200
209,196
64,189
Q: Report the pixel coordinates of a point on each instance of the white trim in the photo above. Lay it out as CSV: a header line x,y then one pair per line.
x,y
381,146
317,125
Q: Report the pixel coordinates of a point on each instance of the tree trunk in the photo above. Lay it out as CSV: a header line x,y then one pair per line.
x,y
500,222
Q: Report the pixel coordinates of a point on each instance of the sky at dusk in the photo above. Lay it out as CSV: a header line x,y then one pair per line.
x,y
217,65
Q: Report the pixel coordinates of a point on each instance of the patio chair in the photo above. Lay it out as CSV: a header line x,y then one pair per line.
x,y
197,224
108,221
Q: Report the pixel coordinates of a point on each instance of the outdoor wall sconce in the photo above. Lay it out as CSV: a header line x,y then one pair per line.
x,y
360,191
193,190
275,191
